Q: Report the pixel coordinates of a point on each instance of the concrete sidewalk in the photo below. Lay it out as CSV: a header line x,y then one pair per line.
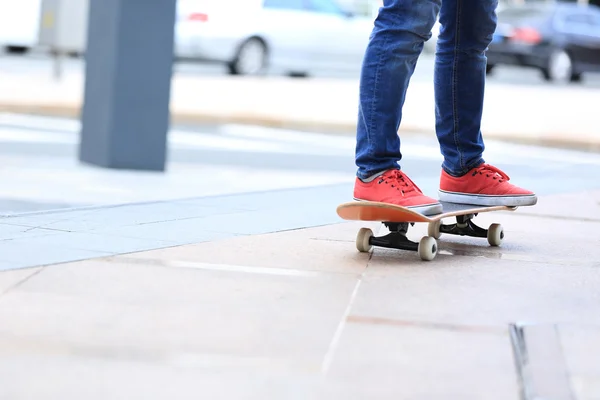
x,y
234,297
545,115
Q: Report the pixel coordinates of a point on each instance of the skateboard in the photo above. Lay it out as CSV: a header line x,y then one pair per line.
x,y
397,219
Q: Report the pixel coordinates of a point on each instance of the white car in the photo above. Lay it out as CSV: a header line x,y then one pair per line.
x,y
19,24
253,36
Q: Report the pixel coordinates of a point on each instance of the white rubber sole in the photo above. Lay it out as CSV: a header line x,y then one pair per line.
x,y
487,200
429,209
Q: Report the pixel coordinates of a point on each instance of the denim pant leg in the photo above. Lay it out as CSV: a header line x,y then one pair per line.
x,y
401,28
467,28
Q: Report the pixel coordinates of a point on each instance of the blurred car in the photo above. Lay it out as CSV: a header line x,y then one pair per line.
x,y
19,24
562,40
252,36
431,45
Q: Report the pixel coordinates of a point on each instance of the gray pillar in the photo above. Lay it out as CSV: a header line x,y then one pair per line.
x,y
129,59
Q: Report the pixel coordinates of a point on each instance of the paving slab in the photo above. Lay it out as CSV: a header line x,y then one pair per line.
x,y
9,231
515,282
424,363
328,248
528,239
191,323
32,252
178,310
68,235
580,205
581,346
59,377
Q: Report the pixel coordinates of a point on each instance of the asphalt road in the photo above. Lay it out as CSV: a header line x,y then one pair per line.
x,y
40,168
41,63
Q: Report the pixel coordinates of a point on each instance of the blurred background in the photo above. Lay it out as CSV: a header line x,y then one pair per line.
x,y
271,90
271,36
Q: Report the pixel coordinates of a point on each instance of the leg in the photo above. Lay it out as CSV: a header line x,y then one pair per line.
x,y
467,27
401,28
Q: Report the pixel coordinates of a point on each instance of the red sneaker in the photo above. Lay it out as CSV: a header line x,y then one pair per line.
x,y
485,185
394,187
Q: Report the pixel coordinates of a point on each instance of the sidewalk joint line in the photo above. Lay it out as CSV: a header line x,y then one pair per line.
x,y
22,281
326,365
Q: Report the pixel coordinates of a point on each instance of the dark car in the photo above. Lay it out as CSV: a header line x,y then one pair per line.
x,y
562,40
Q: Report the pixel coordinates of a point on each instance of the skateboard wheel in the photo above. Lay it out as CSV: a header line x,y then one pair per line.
x,y
427,248
495,235
433,229
362,240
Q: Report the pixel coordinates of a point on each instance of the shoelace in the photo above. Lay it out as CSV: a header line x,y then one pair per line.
x,y
399,181
491,172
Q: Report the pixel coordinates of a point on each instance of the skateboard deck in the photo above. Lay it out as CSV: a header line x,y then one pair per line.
x,y
382,212
397,219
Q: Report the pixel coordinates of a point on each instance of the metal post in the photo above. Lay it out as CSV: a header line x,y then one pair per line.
x,y
129,60
58,68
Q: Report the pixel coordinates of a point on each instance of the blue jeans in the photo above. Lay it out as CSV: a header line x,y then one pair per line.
x,y
400,30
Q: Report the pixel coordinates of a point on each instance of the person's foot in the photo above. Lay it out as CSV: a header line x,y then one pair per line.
x,y
394,187
485,185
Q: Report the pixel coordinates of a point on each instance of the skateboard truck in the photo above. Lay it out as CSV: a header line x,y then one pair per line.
x,y
396,239
465,226
427,247
398,219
